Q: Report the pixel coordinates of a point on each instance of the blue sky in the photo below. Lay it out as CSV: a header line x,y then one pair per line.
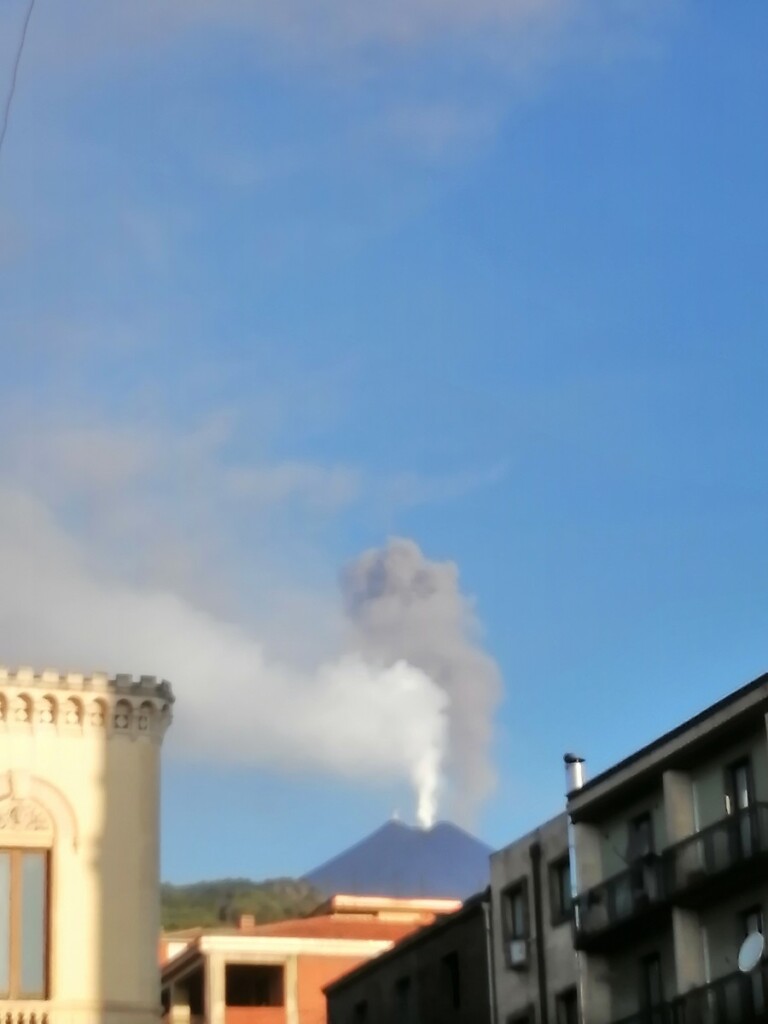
x,y
279,281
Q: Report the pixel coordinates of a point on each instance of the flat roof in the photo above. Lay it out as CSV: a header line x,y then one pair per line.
x,y
719,708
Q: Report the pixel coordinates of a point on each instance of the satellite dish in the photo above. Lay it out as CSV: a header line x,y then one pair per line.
x,y
751,952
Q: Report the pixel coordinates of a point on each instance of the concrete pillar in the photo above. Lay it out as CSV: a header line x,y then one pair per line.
x,y
689,950
215,990
678,806
291,983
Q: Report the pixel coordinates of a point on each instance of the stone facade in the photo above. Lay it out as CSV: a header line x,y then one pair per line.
x,y
79,846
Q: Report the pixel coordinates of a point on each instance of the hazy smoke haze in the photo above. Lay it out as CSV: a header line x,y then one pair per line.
x,y
402,605
372,720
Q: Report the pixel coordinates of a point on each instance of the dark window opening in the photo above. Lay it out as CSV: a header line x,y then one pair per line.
x,y
651,985
641,838
515,911
515,925
752,921
567,1007
360,1013
403,990
253,985
739,786
562,897
451,979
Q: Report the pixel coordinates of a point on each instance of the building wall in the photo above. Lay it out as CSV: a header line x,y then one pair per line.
x,y
721,928
708,779
614,831
422,961
85,754
687,905
625,973
314,973
517,990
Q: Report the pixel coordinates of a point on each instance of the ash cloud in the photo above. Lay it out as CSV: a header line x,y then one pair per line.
x,y
402,605
350,717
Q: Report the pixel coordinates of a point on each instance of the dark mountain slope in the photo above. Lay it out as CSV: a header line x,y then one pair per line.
x,y
401,860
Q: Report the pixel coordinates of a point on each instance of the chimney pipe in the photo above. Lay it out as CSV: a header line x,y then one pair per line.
x,y
575,773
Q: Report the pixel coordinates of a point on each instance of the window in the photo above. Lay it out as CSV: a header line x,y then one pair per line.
x,y
752,921
651,986
515,912
560,888
515,927
739,786
451,979
360,1012
23,924
567,1007
253,985
403,999
641,841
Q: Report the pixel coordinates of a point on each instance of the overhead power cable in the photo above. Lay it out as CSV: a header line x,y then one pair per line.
x,y
15,73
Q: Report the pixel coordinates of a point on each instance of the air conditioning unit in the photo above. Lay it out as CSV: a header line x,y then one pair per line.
x,y
518,953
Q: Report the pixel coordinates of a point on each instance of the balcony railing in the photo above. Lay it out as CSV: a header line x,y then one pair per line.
x,y
736,999
621,898
735,841
24,1013
730,842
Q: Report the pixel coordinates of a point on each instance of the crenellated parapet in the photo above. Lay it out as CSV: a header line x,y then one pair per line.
x,y
81,704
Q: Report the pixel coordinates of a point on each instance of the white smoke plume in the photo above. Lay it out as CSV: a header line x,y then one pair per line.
x,y
403,605
367,719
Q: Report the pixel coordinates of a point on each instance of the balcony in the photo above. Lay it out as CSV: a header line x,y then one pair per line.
x,y
636,895
727,853
22,1012
736,999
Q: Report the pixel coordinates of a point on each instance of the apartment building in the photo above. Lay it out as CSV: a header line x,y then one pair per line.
x,y
671,866
535,975
439,975
275,973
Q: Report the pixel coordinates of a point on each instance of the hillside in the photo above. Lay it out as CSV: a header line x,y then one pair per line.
x,y
216,902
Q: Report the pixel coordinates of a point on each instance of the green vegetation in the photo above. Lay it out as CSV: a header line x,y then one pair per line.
x,y
221,902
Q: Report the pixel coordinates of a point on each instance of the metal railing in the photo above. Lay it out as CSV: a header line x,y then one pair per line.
x,y
735,999
727,843
621,897
658,878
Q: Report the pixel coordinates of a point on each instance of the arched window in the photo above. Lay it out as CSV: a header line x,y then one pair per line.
x,y
26,836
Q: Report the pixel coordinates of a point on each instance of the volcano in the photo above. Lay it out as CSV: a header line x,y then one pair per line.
x,y
407,862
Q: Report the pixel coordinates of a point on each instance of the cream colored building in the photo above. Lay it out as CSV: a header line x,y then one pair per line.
x,y
79,847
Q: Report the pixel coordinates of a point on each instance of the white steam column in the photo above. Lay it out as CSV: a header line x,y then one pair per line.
x,y
79,846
